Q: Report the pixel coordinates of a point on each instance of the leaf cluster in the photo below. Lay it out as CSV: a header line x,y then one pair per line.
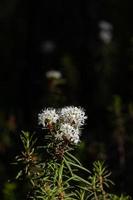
x,y
57,178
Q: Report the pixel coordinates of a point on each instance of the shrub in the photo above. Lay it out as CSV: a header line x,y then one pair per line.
x,y
50,169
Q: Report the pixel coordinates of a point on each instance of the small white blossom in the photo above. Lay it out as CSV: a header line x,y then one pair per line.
x,y
73,115
105,36
105,33
68,132
53,74
48,46
48,115
104,25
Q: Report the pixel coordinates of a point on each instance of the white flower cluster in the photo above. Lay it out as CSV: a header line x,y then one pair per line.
x,y
73,115
66,122
48,116
69,133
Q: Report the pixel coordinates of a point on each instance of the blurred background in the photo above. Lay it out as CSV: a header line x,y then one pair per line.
x,y
58,53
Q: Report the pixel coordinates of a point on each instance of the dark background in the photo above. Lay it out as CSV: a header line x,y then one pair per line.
x,y
39,36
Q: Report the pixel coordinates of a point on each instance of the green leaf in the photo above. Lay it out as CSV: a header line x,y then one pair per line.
x,y
73,157
19,174
78,166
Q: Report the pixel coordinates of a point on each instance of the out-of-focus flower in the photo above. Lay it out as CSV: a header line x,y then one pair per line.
x,y
105,33
48,116
69,133
73,115
48,46
105,36
53,74
104,25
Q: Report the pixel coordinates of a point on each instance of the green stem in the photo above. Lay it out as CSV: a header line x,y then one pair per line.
x,y
60,182
95,195
101,187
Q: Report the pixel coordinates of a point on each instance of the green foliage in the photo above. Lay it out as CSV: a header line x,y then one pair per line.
x,y
9,191
59,178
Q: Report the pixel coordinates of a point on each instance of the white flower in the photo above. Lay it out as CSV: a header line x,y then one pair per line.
x,y
48,46
104,25
48,115
68,132
73,115
65,123
105,33
53,74
105,36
